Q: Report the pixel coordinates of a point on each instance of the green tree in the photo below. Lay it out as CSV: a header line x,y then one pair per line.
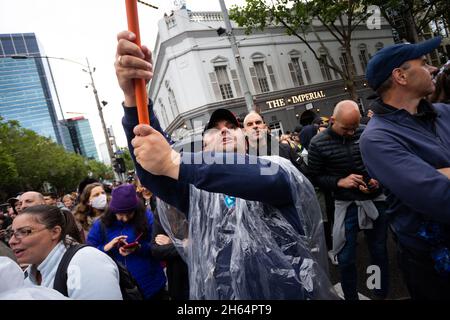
x,y
299,17
28,160
412,18
99,170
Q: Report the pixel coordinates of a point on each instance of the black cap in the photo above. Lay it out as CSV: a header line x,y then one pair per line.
x,y
12,201
221,114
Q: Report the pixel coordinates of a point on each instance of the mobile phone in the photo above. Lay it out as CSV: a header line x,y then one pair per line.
x,y
369,186
130,245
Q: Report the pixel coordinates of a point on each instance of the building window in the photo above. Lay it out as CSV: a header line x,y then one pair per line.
x,y
363,56
32,46
379,46
261,76
163,113
305,69
8,46
296,72
346,63
326,74
19,44
224,82
272,77
276,128
173,103
172,100
215,85
237,86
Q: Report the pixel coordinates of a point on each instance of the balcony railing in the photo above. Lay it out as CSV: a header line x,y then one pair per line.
x,y
205,16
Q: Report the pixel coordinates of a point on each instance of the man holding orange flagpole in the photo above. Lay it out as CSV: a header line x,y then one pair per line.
x,y
255,229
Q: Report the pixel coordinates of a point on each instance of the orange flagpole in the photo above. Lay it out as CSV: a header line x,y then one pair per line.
x,y
139,84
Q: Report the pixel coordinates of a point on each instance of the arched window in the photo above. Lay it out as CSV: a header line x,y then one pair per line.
x,y
326,74
295,68
220,79
258,73
363,56
347,63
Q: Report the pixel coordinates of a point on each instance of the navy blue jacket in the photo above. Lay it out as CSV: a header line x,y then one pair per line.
x,y
219,178
232,180
403,151
145,269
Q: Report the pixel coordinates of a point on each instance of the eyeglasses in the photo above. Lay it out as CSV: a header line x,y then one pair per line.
x,y
22,232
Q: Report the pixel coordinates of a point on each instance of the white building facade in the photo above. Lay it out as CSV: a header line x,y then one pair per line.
x,y
195,72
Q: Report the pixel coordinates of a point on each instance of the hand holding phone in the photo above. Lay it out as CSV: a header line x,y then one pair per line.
x,y
370,185
114,242
130,245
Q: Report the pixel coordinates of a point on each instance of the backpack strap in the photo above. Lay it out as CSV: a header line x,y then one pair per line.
x,y
60,282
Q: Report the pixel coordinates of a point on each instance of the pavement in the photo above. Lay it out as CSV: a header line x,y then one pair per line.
x,y
397,289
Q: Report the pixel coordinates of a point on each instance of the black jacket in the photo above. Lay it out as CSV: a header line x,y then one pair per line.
x,y
332,157
176,268
284,151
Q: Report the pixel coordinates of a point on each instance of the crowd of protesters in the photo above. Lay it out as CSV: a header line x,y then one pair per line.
x,y
265,224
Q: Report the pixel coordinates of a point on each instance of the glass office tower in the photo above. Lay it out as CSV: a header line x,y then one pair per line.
x,y
25,94
78,134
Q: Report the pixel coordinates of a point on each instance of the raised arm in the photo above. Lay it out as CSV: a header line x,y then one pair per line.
x,y
213,172
134,62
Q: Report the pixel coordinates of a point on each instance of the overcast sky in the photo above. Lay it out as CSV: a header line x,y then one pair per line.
x,y
88,28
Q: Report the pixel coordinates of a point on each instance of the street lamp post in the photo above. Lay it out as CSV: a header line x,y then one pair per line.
x,y
87,68
247,95
100,112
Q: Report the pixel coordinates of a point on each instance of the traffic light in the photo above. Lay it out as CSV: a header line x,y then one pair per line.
x,y
115,165
121,165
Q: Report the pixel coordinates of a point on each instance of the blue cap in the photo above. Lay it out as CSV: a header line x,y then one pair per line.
x,y
380,67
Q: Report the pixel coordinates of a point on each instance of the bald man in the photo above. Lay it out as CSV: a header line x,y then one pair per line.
x,y
335,164
261,143
26,200
30,199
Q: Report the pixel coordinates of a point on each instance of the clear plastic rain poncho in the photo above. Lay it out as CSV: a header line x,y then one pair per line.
x,y
249,250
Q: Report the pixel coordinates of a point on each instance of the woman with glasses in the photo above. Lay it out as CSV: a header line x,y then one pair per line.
x,y
124,232
40,236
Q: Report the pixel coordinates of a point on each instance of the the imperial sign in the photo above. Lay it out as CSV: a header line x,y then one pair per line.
x,y
281,102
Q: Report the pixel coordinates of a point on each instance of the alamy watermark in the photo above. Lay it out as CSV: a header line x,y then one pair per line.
x,y
374,20
374,279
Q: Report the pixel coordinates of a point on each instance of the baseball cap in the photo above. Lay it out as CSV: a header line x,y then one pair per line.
x,y
12,201
382,64
221,114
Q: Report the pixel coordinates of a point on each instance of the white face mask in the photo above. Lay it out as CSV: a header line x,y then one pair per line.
x,y
99,202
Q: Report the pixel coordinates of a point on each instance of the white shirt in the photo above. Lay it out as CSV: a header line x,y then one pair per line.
x,y
91,274
13,287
